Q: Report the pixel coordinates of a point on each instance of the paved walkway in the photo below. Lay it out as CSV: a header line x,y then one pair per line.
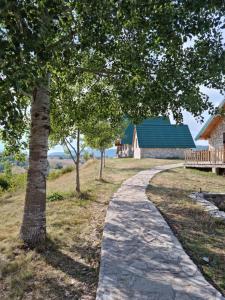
x,y
141,257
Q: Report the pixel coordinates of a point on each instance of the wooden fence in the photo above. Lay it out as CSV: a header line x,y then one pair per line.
x,y
208,157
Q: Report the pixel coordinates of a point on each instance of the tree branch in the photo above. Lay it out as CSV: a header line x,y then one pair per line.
x,y
65,141
74,149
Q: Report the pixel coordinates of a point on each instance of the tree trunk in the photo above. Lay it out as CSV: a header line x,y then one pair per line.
x,y
33,229
78,162
101,165
104,159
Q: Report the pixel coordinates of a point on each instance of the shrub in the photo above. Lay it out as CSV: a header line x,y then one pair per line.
x,y
54,174
57,173
86,156
4,183
58,166
67,169
8,169
55,197
18,181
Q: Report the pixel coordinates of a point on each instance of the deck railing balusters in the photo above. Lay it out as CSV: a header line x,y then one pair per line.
x,y
215,156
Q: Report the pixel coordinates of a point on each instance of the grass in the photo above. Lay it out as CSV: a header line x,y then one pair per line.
x,y
57,173
68,267
202,237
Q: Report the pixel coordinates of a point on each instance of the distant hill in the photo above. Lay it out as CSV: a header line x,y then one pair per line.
x,y
109,153
57,154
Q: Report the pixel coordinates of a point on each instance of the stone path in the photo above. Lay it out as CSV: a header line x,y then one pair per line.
x,y
141,258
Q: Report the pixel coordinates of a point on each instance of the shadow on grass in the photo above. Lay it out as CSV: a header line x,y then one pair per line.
x,y
58,290
102,180
90,254
79,271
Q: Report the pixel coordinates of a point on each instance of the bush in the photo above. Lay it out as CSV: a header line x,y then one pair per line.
x,y
8,169
67,169
58,166
19,181
57,173
55,197
4,183
54,174
86,156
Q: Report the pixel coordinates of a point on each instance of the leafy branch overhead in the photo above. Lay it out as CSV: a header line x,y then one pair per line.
x,y
156,55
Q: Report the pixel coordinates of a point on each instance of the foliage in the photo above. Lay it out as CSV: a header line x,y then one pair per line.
x,y
58,166
4,183
18,181
86,156
153,57
15,183
8,169
56,174
102,134
55,197
67,169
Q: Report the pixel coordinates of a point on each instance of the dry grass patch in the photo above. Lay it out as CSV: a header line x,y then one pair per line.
x,y
68,267
202,237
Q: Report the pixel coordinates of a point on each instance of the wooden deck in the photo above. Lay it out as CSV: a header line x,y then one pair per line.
x,y
205,158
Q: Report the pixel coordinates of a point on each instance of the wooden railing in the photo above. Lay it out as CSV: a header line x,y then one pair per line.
x,y
211,157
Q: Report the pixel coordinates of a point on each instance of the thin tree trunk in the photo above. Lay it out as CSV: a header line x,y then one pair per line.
x,y
104,159
33,229
78,162
101,165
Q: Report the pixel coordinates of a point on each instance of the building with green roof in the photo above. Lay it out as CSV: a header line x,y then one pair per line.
x,y
158,138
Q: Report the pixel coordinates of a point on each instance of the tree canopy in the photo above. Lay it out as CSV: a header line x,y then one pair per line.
x,y
156,54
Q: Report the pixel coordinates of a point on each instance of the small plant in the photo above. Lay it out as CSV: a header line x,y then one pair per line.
x,y
67,169
55,197
4,183
8,169
86,156
57,173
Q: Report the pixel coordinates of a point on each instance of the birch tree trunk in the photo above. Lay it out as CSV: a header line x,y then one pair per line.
x,y
101,165
78,162
33,229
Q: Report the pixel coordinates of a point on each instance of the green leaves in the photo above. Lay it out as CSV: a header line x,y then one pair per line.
x,y
148,58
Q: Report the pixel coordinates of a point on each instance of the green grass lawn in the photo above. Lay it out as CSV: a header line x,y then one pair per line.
x,y
68,267
201,236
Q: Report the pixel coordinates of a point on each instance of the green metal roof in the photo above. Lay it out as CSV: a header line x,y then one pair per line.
x,y
158,132
164,136
128,135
